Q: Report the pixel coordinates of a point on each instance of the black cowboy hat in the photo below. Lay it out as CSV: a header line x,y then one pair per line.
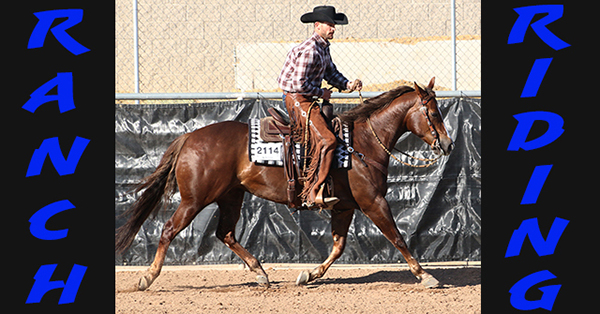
x,y
324,13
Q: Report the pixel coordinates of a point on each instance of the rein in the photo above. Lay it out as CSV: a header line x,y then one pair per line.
x,y
431,161
433,132
306,132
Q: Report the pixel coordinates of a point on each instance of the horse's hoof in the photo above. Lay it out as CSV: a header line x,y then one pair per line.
x,y
429,281
302,278
262,280
143,284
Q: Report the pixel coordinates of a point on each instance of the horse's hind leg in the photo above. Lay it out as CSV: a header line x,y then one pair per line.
x,y
185,213
340,223
230,205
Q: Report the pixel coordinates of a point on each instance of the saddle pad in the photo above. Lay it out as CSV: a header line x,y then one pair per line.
x,y
269,153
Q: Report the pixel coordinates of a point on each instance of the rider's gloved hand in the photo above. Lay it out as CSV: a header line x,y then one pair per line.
x,y
354,85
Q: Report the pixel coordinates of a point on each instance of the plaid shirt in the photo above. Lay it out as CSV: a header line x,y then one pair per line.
x,y
306,65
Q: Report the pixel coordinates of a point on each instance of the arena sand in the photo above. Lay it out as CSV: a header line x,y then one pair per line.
x,y
353,289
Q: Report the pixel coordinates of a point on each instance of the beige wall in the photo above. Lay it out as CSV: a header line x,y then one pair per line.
x,y
188,46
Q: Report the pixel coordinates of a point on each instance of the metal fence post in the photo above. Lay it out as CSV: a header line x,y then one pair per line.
x,y
453,25
136,55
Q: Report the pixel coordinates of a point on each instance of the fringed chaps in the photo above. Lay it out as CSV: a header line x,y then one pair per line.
x,y
321,143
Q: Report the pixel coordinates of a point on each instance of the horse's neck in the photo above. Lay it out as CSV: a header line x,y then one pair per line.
x,y
390,124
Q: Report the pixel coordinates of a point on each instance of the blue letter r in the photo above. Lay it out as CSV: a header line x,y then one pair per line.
x,y
38,36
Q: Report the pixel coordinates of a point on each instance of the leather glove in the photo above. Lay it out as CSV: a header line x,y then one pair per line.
x,y
355,85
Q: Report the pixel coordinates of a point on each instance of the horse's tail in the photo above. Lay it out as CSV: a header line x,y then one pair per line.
x,y
160,186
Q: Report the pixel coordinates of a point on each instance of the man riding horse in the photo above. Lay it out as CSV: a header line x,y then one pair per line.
x,y
305,68
211,164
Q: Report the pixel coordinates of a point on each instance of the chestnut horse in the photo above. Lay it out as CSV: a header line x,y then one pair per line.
x,y
211,164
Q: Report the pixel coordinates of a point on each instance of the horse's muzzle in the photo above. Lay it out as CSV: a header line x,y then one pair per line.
x,y
444,146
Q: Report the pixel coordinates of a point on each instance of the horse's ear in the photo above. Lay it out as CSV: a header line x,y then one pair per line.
x,y
419,90
431,83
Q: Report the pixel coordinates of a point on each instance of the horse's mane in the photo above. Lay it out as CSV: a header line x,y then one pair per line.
x,y
362,112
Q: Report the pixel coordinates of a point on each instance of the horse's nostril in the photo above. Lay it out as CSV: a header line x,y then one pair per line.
x,y
448,148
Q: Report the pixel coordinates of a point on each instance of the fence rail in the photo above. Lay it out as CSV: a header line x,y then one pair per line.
x,y
208,48
274,95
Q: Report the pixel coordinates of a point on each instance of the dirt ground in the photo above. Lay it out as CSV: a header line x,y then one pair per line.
x,y
341,290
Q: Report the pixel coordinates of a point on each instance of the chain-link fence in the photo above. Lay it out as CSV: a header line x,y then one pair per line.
x,y
195,46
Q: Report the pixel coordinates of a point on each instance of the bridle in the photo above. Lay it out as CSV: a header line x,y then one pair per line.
x,y
425,111
436,137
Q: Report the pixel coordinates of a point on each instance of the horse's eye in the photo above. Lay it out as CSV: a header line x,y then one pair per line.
x,y
435,114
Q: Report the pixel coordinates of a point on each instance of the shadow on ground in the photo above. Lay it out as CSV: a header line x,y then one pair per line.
x,y
457,277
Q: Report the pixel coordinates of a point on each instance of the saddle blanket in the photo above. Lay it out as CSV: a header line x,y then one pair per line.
x,y
270,153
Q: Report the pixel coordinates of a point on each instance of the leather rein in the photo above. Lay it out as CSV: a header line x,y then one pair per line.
x,y
436,136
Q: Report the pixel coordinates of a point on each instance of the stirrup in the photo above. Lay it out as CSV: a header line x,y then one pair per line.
x,y
325,202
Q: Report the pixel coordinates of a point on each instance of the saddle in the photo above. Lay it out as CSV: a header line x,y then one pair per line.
x,y
272,143
276,128
273,128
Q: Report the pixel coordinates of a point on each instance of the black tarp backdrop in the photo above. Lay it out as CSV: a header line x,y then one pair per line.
x,y
437,209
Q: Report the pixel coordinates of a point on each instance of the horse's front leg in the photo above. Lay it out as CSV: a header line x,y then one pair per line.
x,y
379,212
340,223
